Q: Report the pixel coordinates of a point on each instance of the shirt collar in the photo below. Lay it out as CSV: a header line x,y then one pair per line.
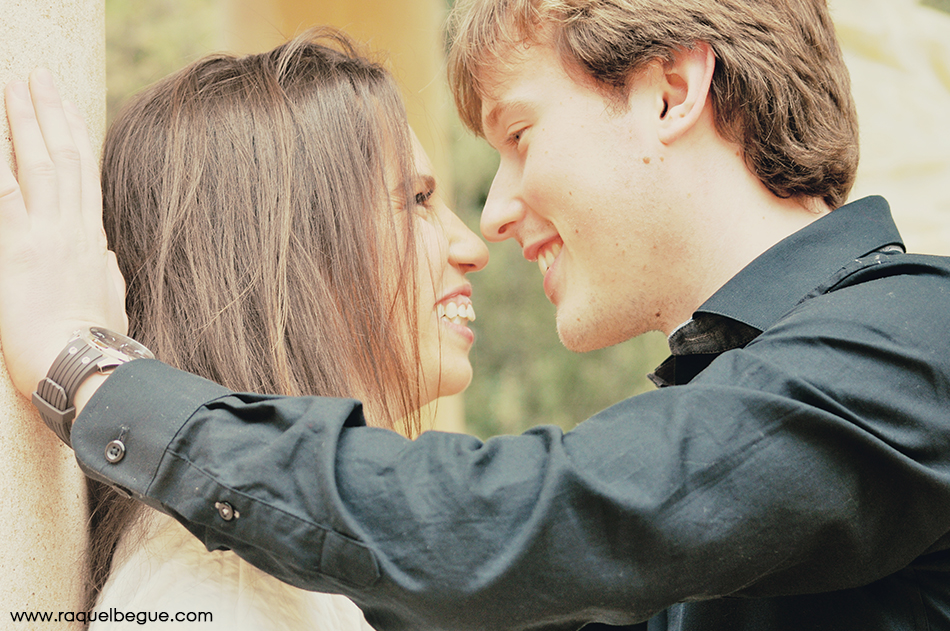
x,y
772,284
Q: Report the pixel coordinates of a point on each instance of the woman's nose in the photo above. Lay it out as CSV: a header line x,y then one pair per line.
x,y
466,250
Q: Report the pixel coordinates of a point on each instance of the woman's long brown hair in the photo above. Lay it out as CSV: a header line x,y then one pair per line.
x,y
247,202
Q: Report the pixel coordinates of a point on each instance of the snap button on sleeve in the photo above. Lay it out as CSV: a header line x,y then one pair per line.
x,y
115,451
226,511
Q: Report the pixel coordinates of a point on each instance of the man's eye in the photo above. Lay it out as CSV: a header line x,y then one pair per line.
x,y
515,137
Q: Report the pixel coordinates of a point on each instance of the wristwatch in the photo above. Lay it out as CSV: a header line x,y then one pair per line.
x,y
92,349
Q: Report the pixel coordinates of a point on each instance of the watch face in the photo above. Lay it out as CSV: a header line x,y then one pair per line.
x,y
116,344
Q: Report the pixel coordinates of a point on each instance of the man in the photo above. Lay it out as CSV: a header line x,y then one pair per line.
x,y
675,166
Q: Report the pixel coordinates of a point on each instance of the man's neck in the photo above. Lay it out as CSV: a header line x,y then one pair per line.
x,y
737,219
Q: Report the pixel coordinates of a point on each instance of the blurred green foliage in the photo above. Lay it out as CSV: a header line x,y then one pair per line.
x,y
148,39
523,376
940,5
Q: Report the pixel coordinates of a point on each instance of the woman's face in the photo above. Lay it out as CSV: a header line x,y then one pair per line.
x,y
446,251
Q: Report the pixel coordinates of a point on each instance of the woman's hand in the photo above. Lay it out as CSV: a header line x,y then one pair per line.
x,y
56,272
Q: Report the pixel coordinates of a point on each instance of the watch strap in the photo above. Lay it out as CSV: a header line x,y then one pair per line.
x,y
55,394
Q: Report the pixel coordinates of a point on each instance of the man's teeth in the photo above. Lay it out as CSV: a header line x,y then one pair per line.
x,y
546,257
456,313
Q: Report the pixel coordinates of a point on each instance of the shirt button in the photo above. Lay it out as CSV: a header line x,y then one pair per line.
x,y
115,451
226,511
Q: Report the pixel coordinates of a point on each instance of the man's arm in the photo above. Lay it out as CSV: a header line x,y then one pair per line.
x,y
778,470
759,478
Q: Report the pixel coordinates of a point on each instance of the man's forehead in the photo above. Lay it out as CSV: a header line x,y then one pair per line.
x,y
509,84
525,83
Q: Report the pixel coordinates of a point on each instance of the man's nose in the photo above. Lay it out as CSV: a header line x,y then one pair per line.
x,y
503,208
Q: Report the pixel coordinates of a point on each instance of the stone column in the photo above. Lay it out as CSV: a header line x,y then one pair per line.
x,y
43,510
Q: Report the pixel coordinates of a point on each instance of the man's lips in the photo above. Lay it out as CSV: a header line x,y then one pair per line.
x,y
547,254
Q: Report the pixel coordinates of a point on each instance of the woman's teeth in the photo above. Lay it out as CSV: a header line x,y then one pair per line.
x,y
547,255
456,313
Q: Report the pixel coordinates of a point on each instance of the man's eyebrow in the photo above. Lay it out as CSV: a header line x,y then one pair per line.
x,y
500,109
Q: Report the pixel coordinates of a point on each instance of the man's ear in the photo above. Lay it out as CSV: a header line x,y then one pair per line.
x,y
684,90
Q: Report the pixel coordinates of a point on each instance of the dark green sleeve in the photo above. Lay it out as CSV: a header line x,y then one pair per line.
x,y
802,463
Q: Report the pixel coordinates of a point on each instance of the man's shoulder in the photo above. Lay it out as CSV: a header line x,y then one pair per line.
x,y
899,296
885,269
910,267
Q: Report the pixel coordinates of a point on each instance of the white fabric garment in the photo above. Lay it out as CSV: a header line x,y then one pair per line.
x,y
160,567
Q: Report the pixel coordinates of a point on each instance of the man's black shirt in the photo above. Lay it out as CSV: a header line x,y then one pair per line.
x,y
795,477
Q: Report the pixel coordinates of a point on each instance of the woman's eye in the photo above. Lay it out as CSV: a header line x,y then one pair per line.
x,y
425,189
422,198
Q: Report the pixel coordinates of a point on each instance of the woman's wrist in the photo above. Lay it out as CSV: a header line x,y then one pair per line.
x,y
87,389
78,371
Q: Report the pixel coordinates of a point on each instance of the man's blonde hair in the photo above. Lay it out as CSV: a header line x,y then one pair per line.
x,y
780,90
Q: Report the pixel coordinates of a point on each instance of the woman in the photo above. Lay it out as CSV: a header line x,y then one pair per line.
x,y
280,232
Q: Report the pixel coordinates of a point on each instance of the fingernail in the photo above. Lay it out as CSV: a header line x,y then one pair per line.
x,y
69,107
43,76
20,90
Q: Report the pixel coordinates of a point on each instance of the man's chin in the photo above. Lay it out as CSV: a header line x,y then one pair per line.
x,y
580,336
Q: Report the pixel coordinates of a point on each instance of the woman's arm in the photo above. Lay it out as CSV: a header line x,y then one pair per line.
x,y
56,272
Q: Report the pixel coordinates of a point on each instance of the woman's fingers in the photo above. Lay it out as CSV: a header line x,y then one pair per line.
x,y
13,216
60,147
36,170
91,188
49,164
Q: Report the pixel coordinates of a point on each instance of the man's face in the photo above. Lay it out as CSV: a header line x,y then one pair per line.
x,y
582,187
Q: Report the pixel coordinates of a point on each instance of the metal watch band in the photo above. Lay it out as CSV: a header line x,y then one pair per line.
x,y
55,394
